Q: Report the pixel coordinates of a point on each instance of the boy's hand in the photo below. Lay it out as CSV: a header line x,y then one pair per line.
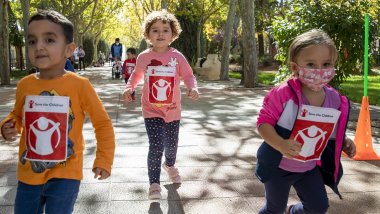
x,y
8,130
128,95
349,147
290,148
193,94
100,173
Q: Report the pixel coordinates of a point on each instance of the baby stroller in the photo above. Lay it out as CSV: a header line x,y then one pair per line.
x,y
117,67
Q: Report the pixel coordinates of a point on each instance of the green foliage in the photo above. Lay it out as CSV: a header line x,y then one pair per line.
x,y
266,60
16,38
235,59
342,20
143,45
264,12
103,47
187,42
18,74
89,49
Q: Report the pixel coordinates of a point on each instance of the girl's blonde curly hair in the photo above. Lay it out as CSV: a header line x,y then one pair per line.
x,y
165,17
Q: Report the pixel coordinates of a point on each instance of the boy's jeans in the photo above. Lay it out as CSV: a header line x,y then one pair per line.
x,y
57,196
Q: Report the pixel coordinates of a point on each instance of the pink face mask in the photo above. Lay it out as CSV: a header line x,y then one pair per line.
x,y
315,79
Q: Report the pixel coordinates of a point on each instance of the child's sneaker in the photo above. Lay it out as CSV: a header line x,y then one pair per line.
x,y
173,173
154,191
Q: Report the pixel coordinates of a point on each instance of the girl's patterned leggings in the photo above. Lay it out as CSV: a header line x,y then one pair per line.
x,y
162,137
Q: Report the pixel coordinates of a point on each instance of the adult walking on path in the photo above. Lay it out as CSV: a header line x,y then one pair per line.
x,y
81,54
216,157
117,50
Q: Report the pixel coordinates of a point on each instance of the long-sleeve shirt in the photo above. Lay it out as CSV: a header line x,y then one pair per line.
x,y
171,58
83,100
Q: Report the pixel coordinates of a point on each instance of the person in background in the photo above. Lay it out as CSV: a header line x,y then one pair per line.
x,y
129,64
69,66
81,55
117,50
101,58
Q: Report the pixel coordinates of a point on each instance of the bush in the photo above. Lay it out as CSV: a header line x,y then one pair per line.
x,y
266,60
104,47
345,27
89,49
235,59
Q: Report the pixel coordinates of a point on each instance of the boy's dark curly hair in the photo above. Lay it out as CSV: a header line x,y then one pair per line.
x,y
55,17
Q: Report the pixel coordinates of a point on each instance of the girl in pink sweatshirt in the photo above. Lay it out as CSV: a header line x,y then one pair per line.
x,y
162,68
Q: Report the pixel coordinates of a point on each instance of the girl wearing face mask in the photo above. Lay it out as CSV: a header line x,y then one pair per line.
x,y
305,100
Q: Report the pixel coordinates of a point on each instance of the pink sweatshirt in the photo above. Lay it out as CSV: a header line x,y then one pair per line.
x,y
161,95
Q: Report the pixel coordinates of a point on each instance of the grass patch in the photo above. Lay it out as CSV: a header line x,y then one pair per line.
x,y
353,88
235,75
264,77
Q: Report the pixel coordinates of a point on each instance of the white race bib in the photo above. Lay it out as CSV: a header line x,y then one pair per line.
x,y
161,81
46,127
130,67
313,128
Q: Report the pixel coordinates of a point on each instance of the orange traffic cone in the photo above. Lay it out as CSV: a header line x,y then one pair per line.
x,y
363,136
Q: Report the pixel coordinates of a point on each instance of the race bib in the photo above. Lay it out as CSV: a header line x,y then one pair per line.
x,y
129,67
313,128
46,127
161,80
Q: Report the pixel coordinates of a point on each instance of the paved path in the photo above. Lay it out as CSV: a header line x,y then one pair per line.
x,y
216,158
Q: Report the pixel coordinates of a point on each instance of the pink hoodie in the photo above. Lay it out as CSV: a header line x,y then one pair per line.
x,y
170,60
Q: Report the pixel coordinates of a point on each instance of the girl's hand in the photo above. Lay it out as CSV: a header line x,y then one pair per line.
x,y
100,173
128,95
290,148
193,94
349,147
8,130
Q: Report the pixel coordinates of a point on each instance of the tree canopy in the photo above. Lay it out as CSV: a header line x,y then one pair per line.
x,y
342,20
203,23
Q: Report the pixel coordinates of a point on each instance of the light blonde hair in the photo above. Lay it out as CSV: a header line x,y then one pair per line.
x,y
165,17
309,38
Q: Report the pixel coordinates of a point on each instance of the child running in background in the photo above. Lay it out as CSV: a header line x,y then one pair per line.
x,y
303,124
129,64
163,68
50,112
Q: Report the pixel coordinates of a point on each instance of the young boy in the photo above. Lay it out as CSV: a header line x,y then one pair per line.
x,y
49,112
129,64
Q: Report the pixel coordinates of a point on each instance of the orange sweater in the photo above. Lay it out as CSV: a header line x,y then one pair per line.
x,y
83,99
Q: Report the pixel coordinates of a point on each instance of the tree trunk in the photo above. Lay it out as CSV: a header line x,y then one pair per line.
x,y
225,62
164,4
249,43
272,46
95,45
198,52
19,58
95,56
4,44
241,63
260,39
25,5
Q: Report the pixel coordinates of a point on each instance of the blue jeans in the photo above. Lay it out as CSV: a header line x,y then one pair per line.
x,y
162,137
56,196
310,189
